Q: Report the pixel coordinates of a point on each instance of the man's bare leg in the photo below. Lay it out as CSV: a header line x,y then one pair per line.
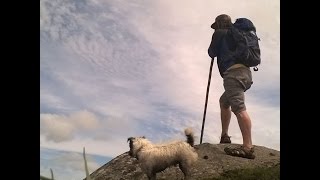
x,y
244,122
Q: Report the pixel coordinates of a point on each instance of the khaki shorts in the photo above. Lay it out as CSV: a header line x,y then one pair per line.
x,y
235,82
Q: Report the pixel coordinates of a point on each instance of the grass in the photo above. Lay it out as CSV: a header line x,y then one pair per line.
x,y
259,173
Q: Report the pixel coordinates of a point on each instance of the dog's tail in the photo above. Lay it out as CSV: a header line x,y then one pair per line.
x,y
190,136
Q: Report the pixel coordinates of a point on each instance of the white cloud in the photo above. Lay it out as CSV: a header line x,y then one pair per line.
x,y
56,127
84,120
60,128
50,98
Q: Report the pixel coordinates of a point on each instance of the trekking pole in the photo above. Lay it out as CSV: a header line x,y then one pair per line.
x,y
205,106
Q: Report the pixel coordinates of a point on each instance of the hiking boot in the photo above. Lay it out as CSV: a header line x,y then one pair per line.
x,y
240,152
225,139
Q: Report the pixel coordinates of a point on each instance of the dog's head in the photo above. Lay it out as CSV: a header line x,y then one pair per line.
x,y
136,144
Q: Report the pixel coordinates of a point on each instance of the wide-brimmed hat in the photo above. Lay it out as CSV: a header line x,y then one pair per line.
x,y
221,19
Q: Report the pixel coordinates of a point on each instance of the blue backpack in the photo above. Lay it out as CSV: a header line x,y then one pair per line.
x,y
247,46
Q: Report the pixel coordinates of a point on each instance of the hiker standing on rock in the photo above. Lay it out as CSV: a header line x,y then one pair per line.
x,y
237,79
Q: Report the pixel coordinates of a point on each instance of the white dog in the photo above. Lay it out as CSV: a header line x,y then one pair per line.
x,y
156,158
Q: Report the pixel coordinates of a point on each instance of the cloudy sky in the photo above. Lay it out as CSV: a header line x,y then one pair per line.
x,y
111,69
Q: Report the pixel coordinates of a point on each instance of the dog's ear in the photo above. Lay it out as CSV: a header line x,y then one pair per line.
x,y
130,139
143,137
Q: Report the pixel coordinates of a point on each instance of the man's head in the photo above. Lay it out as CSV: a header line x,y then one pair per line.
x,y
222,21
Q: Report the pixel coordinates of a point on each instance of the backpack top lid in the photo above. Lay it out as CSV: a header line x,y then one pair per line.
x,y
244,24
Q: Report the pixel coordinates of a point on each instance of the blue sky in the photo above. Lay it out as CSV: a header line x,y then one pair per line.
x,y
111,69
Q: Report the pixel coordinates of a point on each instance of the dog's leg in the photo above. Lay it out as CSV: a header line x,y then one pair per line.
x,y
150,173
184,169
151,176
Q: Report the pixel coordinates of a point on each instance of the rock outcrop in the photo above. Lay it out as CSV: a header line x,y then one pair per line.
x,y
212,162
